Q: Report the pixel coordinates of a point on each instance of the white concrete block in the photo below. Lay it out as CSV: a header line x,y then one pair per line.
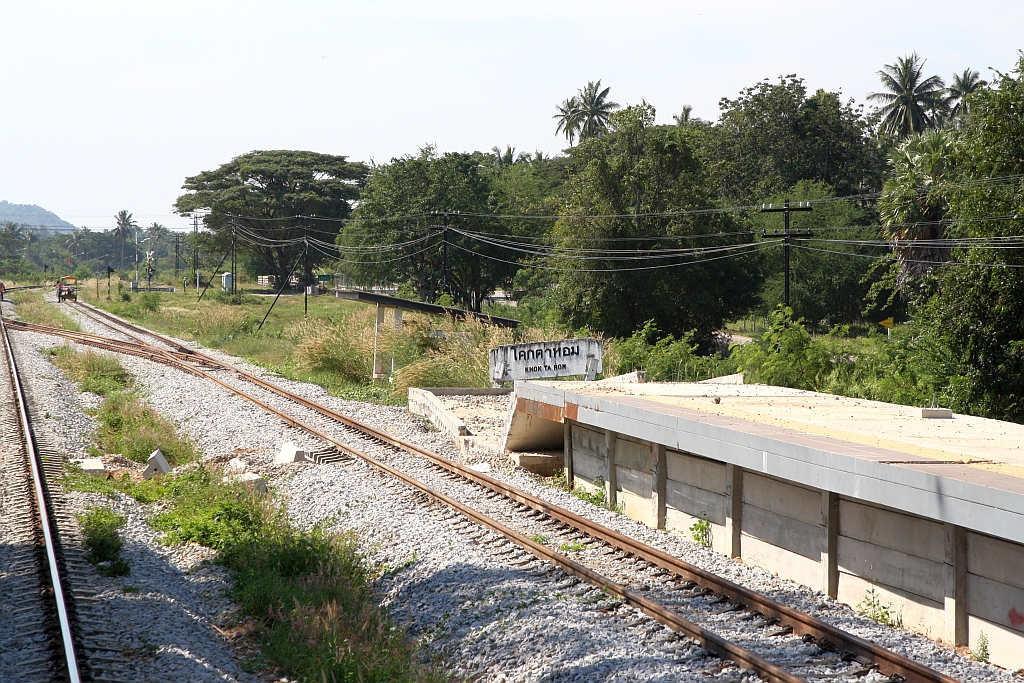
x,y
93,466
236,466
157,464
290,453
937,413
250,479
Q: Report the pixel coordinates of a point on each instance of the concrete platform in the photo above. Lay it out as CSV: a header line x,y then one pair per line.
x,y
844,495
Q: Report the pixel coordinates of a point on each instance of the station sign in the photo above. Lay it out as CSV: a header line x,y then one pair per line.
x,y
541,360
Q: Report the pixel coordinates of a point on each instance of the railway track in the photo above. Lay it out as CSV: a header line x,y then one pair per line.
x,y
756,632
48,628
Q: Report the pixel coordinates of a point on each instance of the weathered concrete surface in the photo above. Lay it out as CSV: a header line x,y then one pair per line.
x,y
916,520
425,403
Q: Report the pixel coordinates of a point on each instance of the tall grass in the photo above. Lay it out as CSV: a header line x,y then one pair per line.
x,y
93,372
33,309
309,592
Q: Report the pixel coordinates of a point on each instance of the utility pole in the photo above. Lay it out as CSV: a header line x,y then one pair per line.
x,y
234,259
195,248
305,273
177,243
786,209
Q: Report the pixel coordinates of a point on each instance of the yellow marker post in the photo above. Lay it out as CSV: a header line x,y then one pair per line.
x,y
888,324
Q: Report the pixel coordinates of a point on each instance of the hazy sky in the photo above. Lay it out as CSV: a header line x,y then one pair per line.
x,y
110,105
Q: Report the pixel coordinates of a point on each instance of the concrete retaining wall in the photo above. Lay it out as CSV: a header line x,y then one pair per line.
x,y
928,576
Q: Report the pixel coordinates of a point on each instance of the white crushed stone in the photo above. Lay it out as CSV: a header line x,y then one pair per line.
x,y
482,615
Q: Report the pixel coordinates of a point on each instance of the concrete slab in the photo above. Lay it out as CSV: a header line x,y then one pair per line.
x,y
290,453
250,479
93,466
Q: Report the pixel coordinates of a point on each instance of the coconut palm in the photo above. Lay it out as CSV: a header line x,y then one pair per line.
x,y
911,101
506,158
124,229
911,206
76,241
567,119
31,236
683,118
157,235
12,235
593,110
960,87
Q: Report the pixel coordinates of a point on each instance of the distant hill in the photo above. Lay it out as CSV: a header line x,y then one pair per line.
x,y
30,214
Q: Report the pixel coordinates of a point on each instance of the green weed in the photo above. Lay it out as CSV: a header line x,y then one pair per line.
x,y
873,608
700,531
572,547
102,541
93,372
539,538
130,427
980,653
33,309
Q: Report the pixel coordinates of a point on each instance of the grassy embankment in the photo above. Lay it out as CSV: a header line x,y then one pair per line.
x,y
333,347
308,592
33,309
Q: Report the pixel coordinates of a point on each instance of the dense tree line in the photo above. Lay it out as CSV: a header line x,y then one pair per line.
x,y
653,229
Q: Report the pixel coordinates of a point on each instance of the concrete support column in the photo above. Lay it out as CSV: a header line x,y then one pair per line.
x,y
611,483
734,517
830,543
570,475
955,622
658,458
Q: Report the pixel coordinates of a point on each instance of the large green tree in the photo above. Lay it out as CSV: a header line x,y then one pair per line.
x,y
409,228
774,135
632,177
268,196
975,322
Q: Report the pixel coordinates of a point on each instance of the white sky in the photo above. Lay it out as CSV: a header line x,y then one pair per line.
x,y
109,105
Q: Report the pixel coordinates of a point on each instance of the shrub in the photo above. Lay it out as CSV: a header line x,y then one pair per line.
x,y
102,541
149,301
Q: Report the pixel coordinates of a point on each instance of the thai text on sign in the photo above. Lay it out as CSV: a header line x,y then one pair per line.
x,y
546,359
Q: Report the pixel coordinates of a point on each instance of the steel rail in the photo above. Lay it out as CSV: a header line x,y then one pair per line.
x,y
889,663
708,639
39,488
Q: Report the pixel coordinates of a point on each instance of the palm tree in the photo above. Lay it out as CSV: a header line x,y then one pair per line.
x,y
683,118
593,110
76,241
157,235
911,100
124,229
11,237
506,158
31,235
567,120
912,205
960,87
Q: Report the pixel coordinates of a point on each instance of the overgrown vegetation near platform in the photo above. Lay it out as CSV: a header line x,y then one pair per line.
x,y
309,592
334,346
